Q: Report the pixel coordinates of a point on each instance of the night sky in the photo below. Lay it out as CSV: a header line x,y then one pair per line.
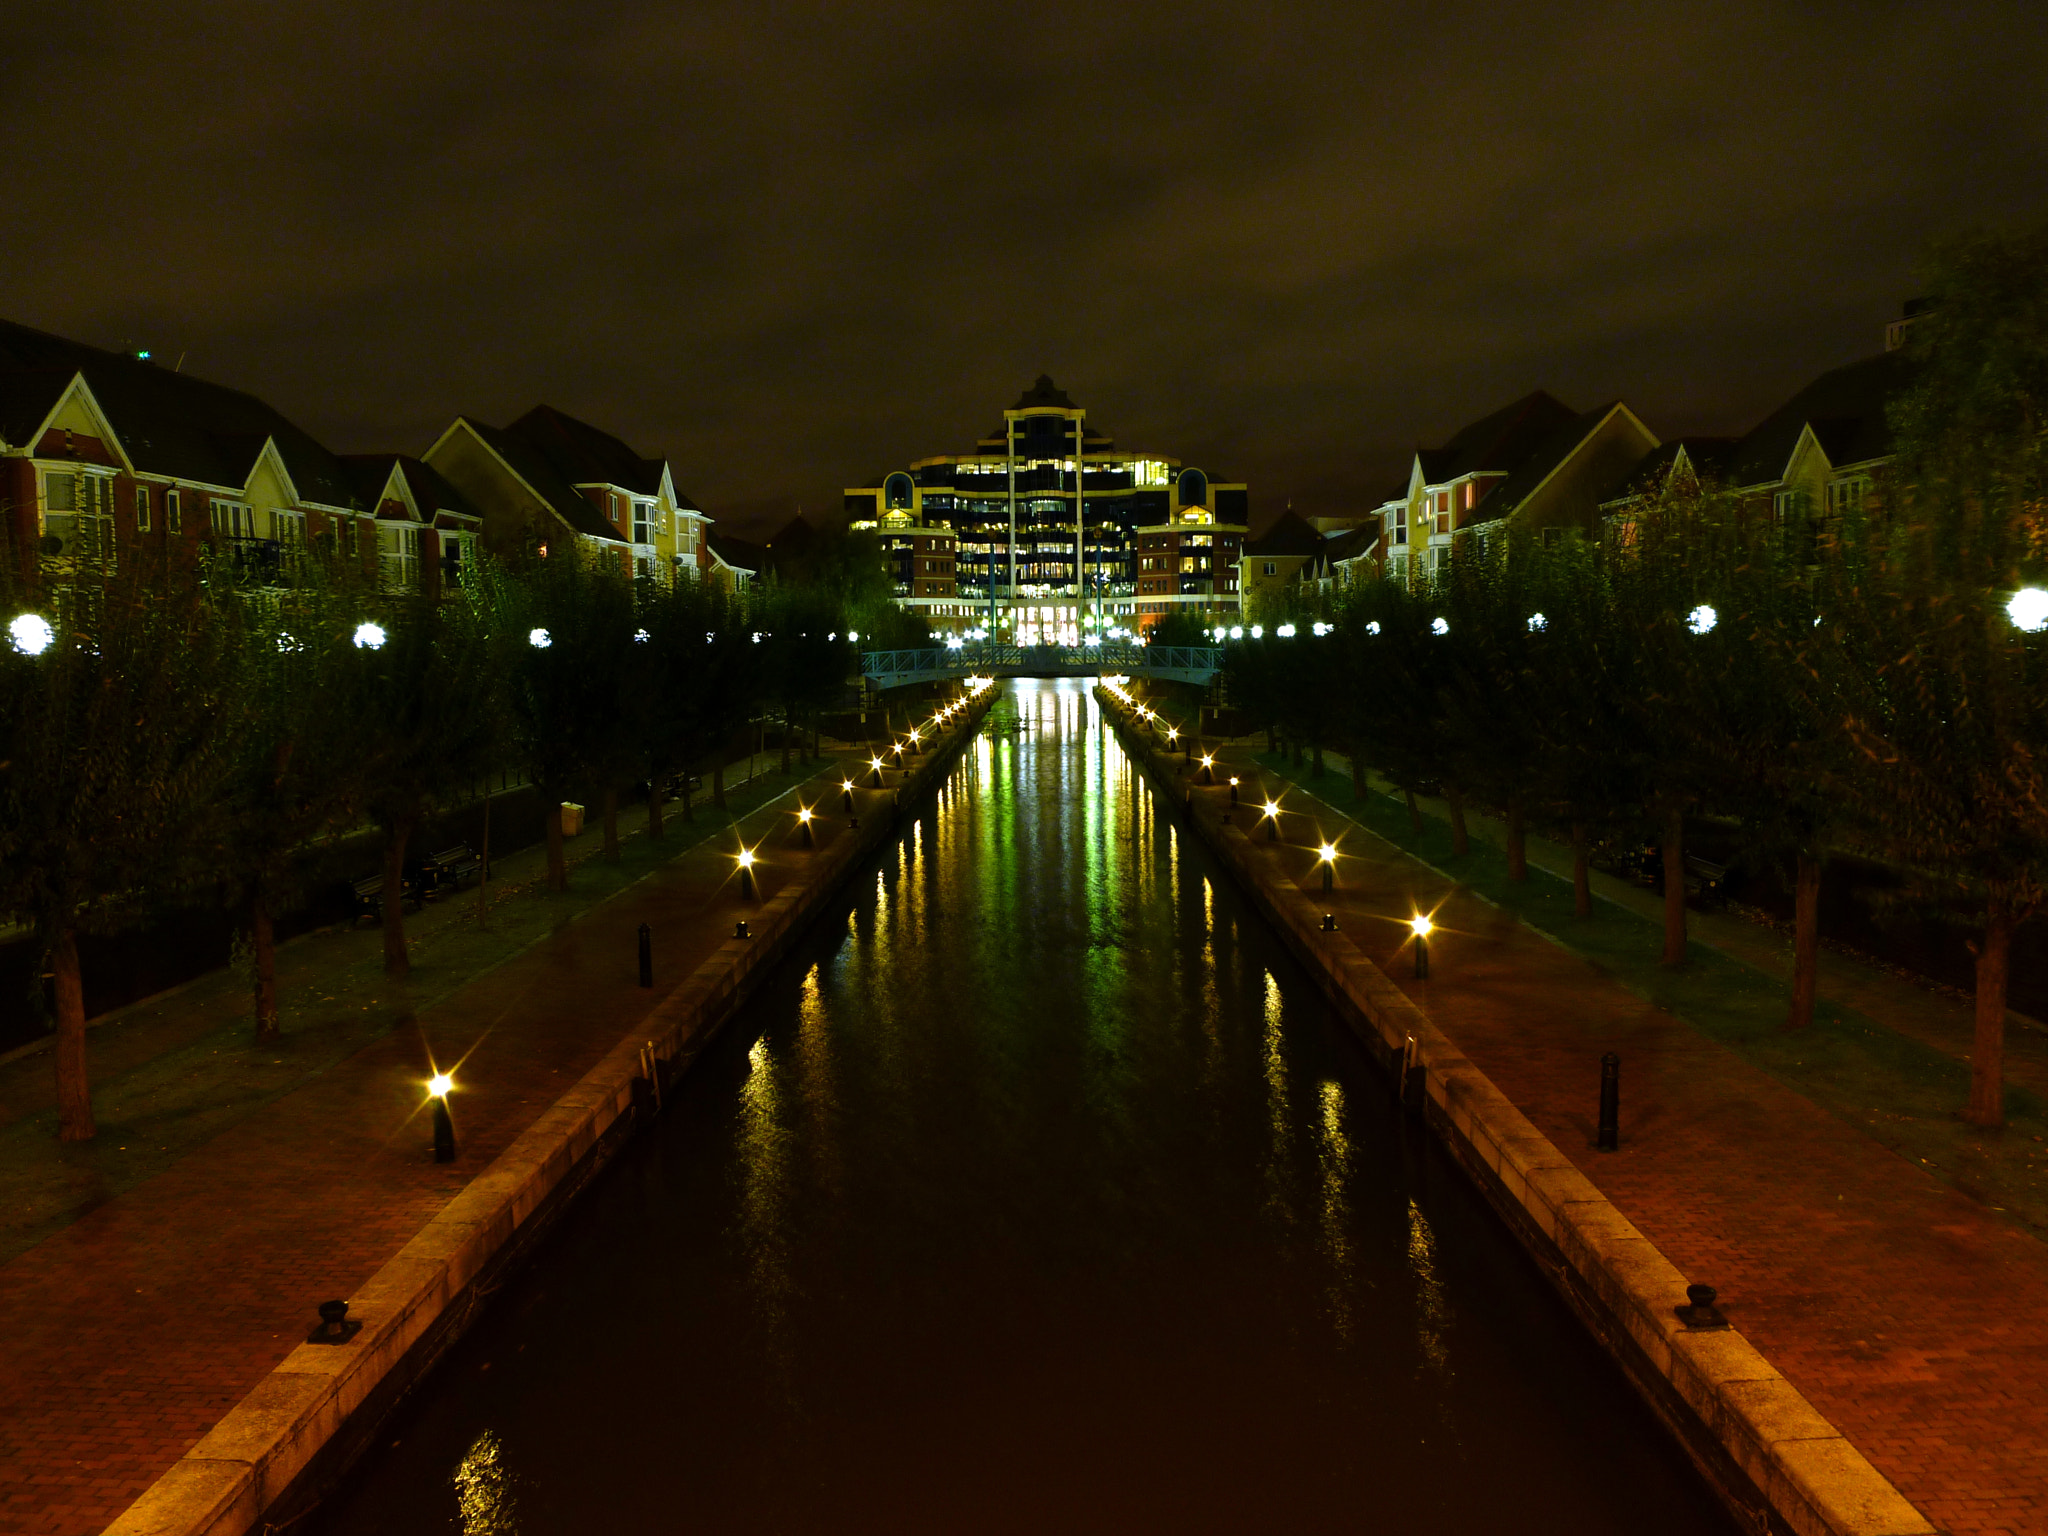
x,y
792,246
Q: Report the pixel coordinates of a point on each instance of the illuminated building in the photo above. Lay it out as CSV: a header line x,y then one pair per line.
x,y
1005,537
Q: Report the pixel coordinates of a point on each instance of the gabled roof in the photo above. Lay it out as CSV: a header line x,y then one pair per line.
x,y
1541,462
171,424
585,455
1707,457
432,495
740,554
541,477
1348,545
1846,409
1289,535
1498,443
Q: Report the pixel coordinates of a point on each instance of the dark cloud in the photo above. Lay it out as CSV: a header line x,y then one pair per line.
x,y
790,245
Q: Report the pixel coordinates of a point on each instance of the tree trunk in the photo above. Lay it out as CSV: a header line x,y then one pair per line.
x,y
1316,761
1518,843
1805,939
689,812
1272,740
1674,887
1987,1046
74,1089
1455,799
718,785
654,806
558,863
1414,812
1357,775
785,741
1582,874
611,824
263,950
397,835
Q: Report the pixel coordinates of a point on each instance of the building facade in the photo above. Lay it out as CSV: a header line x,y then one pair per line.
x,y
1048,530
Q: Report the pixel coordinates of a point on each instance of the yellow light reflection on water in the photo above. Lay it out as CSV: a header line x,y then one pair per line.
x,y
483,1490
1333,1155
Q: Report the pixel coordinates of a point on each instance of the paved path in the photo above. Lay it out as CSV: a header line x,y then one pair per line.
x,y
132,1330
1906,1312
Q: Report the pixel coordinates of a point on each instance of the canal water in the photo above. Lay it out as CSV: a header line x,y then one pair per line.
x,y
1039,1192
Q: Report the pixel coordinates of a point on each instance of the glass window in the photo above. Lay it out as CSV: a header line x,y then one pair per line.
x,y
142,509
60,491
174,515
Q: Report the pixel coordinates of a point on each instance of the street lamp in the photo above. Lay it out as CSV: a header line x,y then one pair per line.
x,y
746,863
1327,856
1272,821
368,636
1702,619
803,816
846,791
875,763
1420,926
32,635
1233,789
539,639
1208,768
444,1128
2028,610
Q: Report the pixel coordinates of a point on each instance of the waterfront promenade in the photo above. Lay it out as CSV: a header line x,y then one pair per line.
x,y
136,1327
1913,1316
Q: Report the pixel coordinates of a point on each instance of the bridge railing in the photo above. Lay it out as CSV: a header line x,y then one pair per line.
x,y
894,669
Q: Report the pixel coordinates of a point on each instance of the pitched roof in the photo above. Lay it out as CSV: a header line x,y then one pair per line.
x,y
533,467
172,424
1348,545
1290,534
585,455
1846,409
432,495
1498,442
1537,465
740,554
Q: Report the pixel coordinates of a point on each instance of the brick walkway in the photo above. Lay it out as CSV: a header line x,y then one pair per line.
x,y
135,1328
1910,1315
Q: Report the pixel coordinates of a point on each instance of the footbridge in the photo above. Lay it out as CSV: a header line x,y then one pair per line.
x,y
1171,663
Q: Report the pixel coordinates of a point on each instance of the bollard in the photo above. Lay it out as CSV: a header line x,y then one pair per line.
x,y
1610,1103
335,1325
444,1131
739,930
1329,922
646,956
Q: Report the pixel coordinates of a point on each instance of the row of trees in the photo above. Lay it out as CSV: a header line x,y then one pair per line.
x,y
161,740
1865,681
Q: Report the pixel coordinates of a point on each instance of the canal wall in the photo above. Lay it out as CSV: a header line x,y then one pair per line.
x,y
1772,1457
274,1455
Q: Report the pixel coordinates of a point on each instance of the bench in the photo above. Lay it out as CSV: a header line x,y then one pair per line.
x,y
369,897
446,870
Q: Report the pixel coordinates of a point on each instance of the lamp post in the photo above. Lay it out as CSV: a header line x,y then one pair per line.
x,y
1208,768
1233,790
1420,926
438,1087
875,763
803,816
1327,857
746,863
1272,821
846,795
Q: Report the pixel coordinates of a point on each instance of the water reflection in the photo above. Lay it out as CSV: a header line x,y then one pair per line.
x,y
1042,1193
483,1490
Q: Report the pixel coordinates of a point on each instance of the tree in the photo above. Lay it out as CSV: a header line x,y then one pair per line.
x,y
117,727
296,770
422,696
567,627
1955,714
